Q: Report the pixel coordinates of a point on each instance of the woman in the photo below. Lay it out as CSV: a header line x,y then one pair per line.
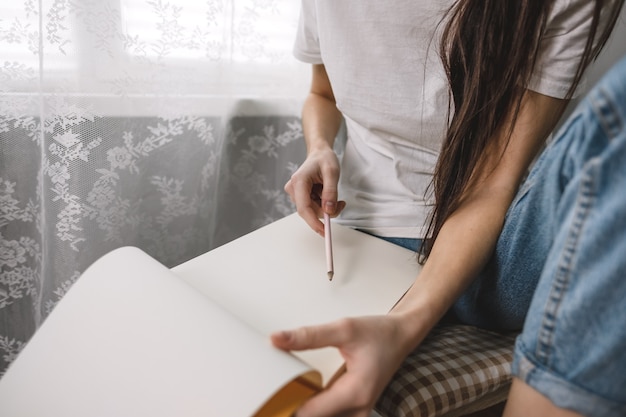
x,y
510,68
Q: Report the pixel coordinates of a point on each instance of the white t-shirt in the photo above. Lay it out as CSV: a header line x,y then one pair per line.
x,y
383,64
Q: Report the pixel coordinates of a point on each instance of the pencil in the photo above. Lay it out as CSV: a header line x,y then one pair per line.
x,y
329,247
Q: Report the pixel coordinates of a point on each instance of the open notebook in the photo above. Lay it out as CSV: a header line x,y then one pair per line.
x,y
133,338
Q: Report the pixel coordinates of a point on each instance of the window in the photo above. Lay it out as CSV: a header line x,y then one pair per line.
x,y
240,31
107,46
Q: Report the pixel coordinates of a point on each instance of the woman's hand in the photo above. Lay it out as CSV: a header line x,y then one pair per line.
x,y
373,348
313,188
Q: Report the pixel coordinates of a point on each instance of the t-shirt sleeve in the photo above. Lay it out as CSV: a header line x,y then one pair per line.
x,y
562,46
307,46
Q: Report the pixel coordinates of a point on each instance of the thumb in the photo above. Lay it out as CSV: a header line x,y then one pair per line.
x,y
328,196
311,337
329,204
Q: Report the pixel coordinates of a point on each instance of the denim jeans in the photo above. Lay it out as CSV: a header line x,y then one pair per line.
x,y
560,263
559,267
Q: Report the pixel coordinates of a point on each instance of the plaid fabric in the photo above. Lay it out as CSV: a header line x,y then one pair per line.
x,y
456,366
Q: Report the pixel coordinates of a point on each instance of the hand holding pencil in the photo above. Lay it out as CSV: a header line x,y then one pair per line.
x,y
313,189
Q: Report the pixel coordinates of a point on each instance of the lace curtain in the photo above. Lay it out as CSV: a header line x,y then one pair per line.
x,y
171,126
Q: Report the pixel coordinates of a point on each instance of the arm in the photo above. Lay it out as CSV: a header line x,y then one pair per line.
x,y
471,232
374,347
319,174
320,116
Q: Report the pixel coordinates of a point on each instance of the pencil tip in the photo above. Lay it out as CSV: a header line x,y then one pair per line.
x,y
330,275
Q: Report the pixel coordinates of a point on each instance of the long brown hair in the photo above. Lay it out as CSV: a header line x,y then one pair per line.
x,y
489,49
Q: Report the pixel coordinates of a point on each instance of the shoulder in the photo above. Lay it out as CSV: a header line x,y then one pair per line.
x,y
568,15
562,46
306,47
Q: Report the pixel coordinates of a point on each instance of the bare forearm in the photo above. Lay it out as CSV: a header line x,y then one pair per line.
x,y
464,245
320,121
468,237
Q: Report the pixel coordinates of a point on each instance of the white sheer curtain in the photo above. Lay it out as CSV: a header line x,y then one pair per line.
x,y
171,126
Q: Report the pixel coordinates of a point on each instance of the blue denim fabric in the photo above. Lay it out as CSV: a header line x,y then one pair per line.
x,y
573,346
561,259
405,242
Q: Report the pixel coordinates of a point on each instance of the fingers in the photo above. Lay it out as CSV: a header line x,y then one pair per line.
x,y
348,389
313,188
340,206
367,346
300,192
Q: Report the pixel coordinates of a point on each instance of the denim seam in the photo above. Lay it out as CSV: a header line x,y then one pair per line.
x,y
607,114
566,265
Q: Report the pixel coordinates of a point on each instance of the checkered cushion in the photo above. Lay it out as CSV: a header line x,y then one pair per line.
x,y
458,369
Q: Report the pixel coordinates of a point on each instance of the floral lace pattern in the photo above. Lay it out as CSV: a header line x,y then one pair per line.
x,y
137,122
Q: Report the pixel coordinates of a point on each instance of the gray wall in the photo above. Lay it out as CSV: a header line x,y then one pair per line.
x,y
613,51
